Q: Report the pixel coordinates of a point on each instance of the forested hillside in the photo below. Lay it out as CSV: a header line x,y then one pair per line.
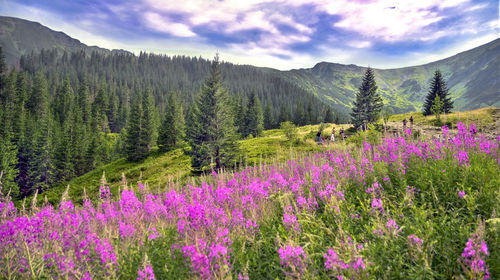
x,y
64,115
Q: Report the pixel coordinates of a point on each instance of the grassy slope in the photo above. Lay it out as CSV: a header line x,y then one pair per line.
x,y
161,168
480,117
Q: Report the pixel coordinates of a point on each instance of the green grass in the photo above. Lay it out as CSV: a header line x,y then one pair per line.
x,y
480,117
160,169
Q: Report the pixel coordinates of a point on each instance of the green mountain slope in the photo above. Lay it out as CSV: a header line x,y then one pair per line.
x,y
473,78
18,37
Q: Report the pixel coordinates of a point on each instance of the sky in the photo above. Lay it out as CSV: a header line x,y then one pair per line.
x,y
275,33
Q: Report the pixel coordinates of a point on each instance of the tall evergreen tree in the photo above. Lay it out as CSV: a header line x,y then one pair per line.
x,y
149,133
284,115
41,166
22,134
8,148
172,130
329,117
368,103
300,117
254,117
62,101
268,117
83,101
438,86
215,140
136,144
240,112
100,108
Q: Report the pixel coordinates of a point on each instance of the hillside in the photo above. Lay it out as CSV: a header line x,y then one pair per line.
x,y
160,169
19,37
472,76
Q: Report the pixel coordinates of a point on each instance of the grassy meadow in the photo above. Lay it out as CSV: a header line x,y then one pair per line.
x,y
393,208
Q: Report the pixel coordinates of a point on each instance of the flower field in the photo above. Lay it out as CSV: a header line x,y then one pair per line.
x,y
396,209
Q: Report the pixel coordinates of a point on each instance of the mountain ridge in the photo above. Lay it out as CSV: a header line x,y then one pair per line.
x,y
16,32
472,75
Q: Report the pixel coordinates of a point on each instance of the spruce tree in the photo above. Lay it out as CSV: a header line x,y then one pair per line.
x,y
300,117
254,117
214,144
172,131
8,148
329,117
284,115
136,145
368,104
100,108
41,166
438,86
83,101
149,131
268,117
240,112
22,135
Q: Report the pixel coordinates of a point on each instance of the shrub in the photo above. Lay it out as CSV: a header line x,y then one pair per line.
x,y
289,129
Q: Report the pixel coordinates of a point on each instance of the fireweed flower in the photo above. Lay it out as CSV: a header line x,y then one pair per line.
x,y
377,205
461,194
293,258
392,226
462,157
104,191
290,220
473,257
415,241
146,274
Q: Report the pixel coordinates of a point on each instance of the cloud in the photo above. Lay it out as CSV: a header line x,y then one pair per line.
x,y
163,24
276,33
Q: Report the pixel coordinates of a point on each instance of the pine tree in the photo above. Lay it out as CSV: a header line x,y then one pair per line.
x,y
368,103
149,131
215,141
136,145
8,148
284,115
254,117
240,112
438,86
22,135
100,108
194,134
172,130
83,101
300,117
329,117
311,117
62,101
41,166
268,117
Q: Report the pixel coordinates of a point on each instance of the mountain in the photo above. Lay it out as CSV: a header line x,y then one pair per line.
x,y
472,76
19,36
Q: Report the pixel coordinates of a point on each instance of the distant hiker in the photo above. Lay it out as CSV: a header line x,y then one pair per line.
x,y
404,123
411,121
318,137
341,133
332,138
